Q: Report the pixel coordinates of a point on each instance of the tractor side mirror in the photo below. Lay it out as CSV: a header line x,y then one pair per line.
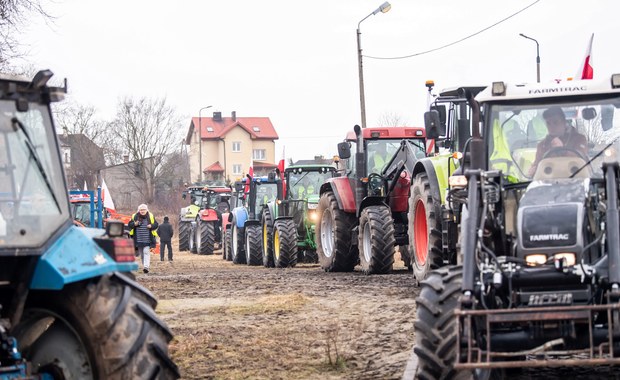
x,y
432,124
588,113
607,117
344,150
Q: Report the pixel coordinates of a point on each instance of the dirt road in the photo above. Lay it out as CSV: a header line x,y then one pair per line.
x,y
239,322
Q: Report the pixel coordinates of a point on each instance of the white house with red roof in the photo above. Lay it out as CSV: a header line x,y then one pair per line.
x,y
229,146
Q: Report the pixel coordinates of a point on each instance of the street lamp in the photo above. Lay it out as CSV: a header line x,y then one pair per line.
x,y
537,56
200,142
383,8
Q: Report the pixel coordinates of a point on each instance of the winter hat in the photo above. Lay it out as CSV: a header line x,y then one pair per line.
x,y
166,219
143,207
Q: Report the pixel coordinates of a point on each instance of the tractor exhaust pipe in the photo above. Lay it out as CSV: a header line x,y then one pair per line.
x,y
360,165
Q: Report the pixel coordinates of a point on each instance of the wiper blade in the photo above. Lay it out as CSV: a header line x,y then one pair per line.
x,y
302,177
594,158
33,154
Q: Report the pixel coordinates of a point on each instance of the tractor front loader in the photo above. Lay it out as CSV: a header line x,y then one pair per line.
x,y
536,282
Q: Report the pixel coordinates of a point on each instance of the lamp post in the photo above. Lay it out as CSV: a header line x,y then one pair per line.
x,y
200,142
537,56
383,9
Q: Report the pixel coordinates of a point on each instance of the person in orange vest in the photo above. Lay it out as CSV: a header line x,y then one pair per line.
x,y
143,229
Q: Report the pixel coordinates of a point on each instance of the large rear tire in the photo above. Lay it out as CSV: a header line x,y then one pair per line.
x,y
284,243
376,240
267,227
253,251
333,232
205,238
238,241
424,228
102,328
184,231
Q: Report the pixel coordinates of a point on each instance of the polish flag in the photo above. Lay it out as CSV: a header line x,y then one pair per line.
x,y
246,189
108,204
281,164
585,70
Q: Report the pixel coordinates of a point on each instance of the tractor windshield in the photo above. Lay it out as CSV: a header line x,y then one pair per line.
x,y
380,152
306,182
33,200
266,192
561,140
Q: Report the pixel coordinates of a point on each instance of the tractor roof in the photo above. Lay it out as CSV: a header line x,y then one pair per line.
x,y
510,92
309,167
389,133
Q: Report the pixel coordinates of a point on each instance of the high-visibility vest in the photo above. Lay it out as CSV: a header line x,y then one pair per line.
x,y
501,154
152,220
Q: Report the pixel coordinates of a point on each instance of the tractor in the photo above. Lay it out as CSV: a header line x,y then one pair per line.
x,y
235,200
302,194
208,228
363,214
536,282
70,305
428,247
187,218
86,209
247,223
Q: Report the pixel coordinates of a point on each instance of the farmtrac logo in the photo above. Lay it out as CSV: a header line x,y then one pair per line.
x,y
547,237
557,89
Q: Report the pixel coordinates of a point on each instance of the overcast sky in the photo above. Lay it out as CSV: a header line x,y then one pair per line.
x,y
296,61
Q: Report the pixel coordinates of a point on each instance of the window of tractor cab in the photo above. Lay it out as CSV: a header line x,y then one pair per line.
x,y
33,200
522,145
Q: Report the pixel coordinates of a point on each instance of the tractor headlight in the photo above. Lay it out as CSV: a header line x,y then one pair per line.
x,y
313,216
312,206
536,259
114,228
457,181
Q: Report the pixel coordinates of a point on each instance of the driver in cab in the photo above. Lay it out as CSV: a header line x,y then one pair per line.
x,y
561,137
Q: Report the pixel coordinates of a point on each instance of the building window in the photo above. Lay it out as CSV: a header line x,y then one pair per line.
x,y
237,169
236,146
258,154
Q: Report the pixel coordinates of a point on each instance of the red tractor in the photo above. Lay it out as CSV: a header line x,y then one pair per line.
x,y
363,214
208,229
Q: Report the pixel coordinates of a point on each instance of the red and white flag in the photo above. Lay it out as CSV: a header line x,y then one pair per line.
x,y
281,164
108,204
585,70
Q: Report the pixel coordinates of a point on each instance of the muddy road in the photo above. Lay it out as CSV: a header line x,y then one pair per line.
x,y
239,322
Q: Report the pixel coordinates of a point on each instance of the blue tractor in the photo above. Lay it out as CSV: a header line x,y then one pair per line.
x,y
70,307
260,194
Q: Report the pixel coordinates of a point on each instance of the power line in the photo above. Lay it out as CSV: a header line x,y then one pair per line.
x,y
458,41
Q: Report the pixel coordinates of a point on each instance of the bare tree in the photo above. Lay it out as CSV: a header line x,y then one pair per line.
x,y
13,14
390,119
148,129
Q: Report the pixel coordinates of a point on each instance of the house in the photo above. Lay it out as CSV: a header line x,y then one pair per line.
x,y
82,160
129,182
229,145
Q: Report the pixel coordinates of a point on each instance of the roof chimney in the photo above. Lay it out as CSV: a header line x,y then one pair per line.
x,y
233,114
217,116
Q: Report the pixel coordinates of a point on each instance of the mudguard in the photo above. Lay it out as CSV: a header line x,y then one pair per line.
x,y
437,170
75,257
240,216
341,187
208,215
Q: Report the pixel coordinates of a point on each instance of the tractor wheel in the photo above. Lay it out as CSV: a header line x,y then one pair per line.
x,y
267,227
253,251
224,243
205,238
238,240
228,244
192,238
376,240
101,328
184,231
333,232
424,228
284,243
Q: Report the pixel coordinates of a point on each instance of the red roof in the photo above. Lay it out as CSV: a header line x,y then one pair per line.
x,y
263,165
215,167
257,127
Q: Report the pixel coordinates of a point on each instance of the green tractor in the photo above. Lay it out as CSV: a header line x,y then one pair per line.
x,y
187,218
303,183
429,247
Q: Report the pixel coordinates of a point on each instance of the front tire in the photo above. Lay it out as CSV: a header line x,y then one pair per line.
x,y
102,328
238,240
185,228
228,244
284,243
333,232
205,238
267,227
376,240
425,228
254,253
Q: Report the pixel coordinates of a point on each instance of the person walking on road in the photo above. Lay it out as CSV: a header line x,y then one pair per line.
x,y
165,232
143,229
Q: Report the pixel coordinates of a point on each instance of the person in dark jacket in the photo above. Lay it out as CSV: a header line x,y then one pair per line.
x,y
143,229
165,232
